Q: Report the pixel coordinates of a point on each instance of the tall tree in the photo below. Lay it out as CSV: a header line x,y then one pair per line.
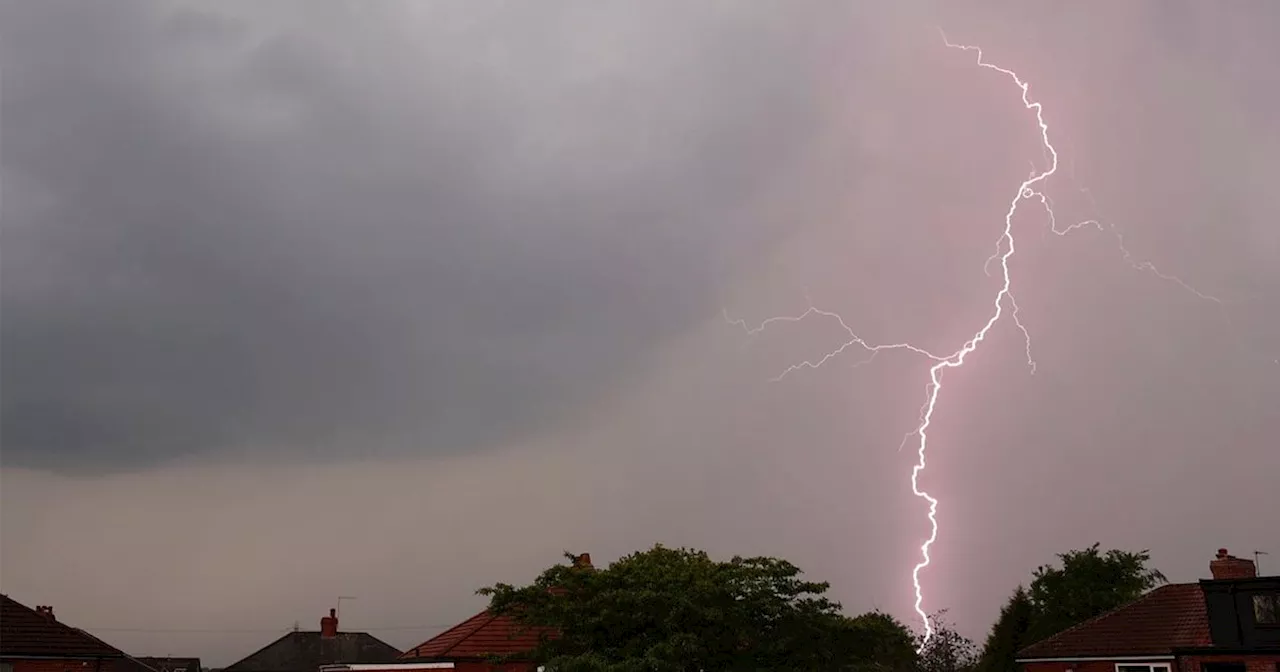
x,y
1089,583
677,610
1008,635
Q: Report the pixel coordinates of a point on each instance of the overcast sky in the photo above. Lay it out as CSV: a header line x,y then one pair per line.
x,y
398,299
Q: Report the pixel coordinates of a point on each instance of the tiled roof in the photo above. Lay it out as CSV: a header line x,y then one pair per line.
x,y
307,651
24,631
1171,616
169,664
132,664
477,637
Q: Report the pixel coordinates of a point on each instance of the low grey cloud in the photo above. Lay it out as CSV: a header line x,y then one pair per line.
x,y
358,229
248,246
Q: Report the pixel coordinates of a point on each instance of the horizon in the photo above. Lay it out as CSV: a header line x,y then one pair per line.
x,y
392,300
406,642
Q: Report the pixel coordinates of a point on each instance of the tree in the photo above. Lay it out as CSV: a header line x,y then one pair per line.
x,y
677,609
947,650
1088,584
878,641
1008,635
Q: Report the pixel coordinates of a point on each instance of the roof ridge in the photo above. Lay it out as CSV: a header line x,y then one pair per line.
x,y
272,643
491,617
483,634
371,636
310,649
52,627
1140,599
417,650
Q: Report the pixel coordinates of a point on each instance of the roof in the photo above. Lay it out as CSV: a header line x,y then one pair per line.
x,y
487,634
168,664
388,667
1170,617
26,632
133,664
307,651
480,636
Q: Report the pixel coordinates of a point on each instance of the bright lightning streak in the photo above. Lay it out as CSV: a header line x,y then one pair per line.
x,y
1029,189
1005,250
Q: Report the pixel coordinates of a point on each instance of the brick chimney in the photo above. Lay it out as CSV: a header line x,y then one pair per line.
x,y
583,561
329,625
1227,566
46,611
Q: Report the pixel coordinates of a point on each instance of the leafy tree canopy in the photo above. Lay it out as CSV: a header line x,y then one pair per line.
x,y
678,610
1088,583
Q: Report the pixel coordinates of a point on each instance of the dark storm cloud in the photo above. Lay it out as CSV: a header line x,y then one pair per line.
x,y
325,229
429,227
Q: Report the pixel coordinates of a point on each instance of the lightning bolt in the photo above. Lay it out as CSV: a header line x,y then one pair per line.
x,y
1002,303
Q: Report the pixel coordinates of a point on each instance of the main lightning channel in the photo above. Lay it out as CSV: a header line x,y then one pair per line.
x,y
1005,251
1028,190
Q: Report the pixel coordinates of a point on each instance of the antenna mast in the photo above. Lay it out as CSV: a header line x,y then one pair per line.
x,y
1257,566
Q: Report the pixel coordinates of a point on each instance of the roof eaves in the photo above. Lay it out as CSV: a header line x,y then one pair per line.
x,y
1023,655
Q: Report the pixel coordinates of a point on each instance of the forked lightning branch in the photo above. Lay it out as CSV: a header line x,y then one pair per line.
x,y
1002,303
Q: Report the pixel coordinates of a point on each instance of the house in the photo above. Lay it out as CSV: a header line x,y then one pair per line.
x,y
470,645
415,667
171,664
34,640
1230,623
310,650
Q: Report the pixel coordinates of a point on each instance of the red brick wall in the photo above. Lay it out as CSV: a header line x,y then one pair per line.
x,y
1090,666
465,666
1265,663
68,665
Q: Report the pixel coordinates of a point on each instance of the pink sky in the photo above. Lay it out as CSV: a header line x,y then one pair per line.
x,y
301,302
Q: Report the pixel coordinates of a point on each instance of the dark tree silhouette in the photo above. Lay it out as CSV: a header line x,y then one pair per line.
x,y
1088,583
678,610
